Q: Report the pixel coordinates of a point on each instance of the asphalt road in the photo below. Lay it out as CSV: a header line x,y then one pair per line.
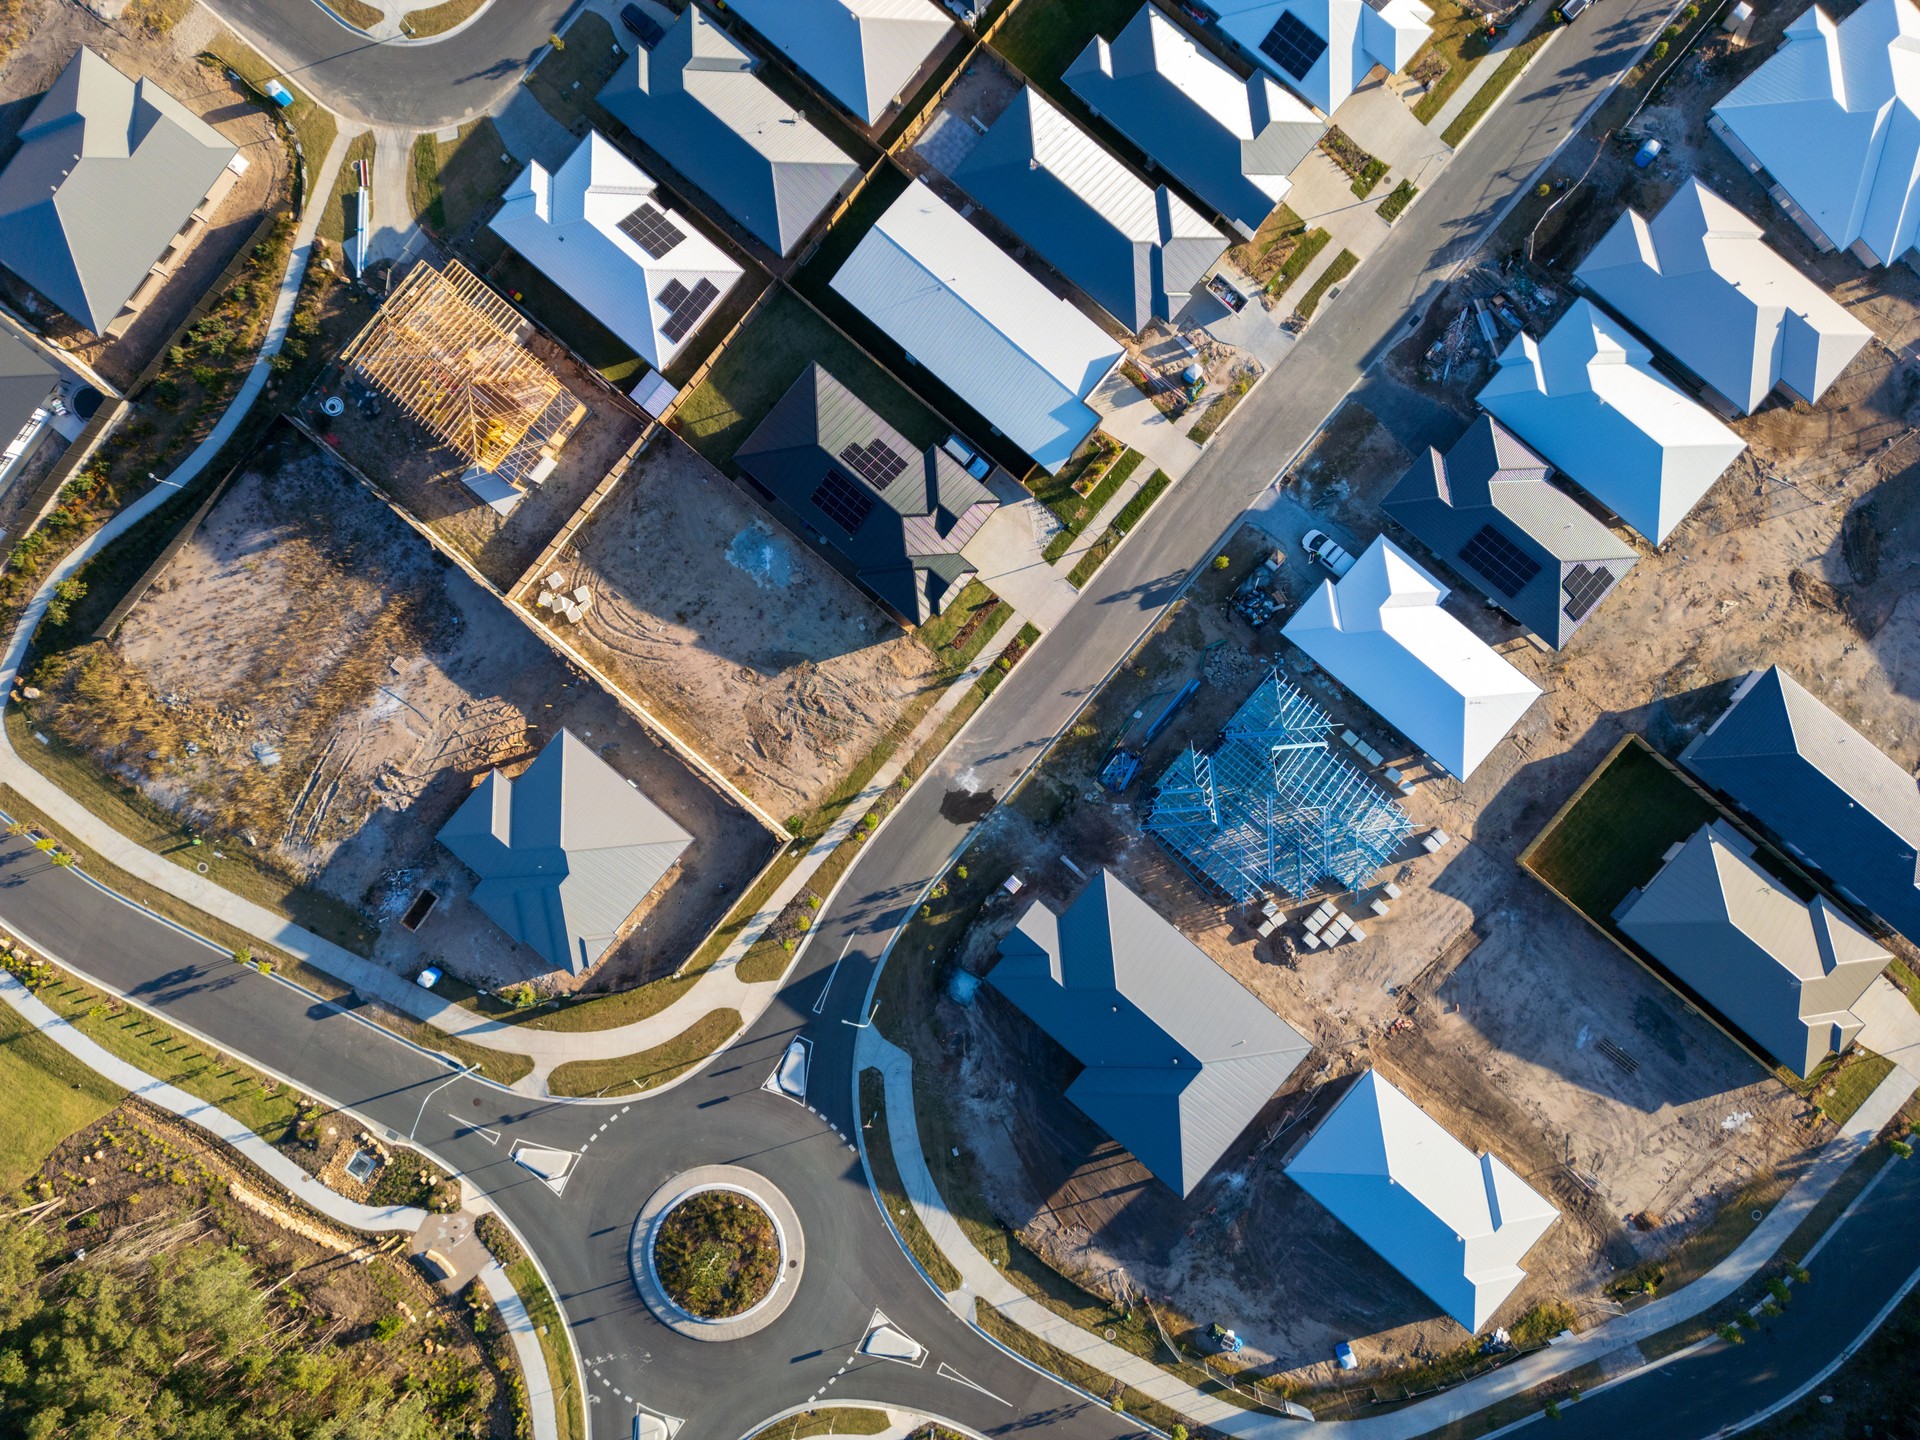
x,y
419,84
722,1116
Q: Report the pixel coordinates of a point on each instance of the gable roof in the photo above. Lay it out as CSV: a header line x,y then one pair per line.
x,y
1179,1056
565,853
696,101
912,509
1784,972
1357,35
861,52
1834,116
958,304
26,380
1702,284
1137,250
1454,1223
108,171
1379,630
1587,398
1232,142
1835,801
1547,562
568,224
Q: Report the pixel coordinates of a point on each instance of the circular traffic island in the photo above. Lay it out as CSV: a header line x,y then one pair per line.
x,y
716,1253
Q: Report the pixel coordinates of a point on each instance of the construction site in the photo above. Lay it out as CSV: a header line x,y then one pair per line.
x,y
484,429
308,679
1223,793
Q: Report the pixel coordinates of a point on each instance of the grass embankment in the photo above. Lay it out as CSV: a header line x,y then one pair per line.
x,y
650,1069
1504,74
453,179
1458,41
1078,1372
341,216
1060,494
313,126
892,1194
1129,516
438,19
566,81
828,1420
49,1096
1343,265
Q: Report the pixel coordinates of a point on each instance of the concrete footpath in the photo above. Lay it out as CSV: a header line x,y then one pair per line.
x,y
305,1188
982,1281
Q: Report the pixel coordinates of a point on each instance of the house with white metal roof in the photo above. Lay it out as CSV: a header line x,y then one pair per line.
x,y
1137,250
1178,1056
599,229
1380,631
863,53
1232,142
1325,49
1831,122
1700,282
958,304
696,100
1455,1224
1588,398
1782,971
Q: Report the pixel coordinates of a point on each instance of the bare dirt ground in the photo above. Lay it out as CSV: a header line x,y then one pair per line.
x,y
311,677
54,33
723,625
400,457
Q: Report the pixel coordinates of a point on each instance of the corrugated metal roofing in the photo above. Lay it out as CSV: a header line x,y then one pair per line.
x,y
1834,116
1454,1223
26,380
108,171
1232,142
1821,787
565,853
1179,1056
695,100
1700,281
1359,35
567,224
962,307
1379,630
861,52
1785,973
1588,399
1488,478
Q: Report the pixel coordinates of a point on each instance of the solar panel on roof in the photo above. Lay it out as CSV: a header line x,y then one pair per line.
x,y
685,306
652,231
843,502
876,462
1503,564
1585,586
1292,46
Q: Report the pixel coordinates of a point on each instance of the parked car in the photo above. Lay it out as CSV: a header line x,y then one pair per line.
x,y
644,27
1570,9
1324,548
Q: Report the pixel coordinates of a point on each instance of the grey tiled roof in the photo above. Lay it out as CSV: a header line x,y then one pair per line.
x,y
565,853
108,170
906,550
1488,479
696,100
1179,1056
1821,787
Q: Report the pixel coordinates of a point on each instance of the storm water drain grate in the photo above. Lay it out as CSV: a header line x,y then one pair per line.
x,y
1618,1056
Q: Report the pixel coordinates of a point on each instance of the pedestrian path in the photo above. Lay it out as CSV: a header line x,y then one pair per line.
x,y
981,1281
1524,24
1134,420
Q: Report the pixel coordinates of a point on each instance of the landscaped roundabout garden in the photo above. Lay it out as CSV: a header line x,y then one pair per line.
x,y
717,1254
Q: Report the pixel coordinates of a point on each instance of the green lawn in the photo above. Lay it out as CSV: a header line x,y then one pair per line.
x,y
1390,208
784,337
1075,510
554,1346
632,1074
1042,37
1343,265
892,1193
49,1096
566,81
453,179
336,221
1845,1088
1296,263
1906,981
1504,75
1129,516
1459,41
1611,838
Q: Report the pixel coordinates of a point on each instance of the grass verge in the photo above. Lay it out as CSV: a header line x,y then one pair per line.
x,y
336,221
1129,516
1217,411
566,81
1078,1372
49,1096
438,19
1504,74
650,1069
453,179
311,125
1458,40
357,12
1343,265
892,1192
1075,510
829,1420
1295,265
568,1409
1389,209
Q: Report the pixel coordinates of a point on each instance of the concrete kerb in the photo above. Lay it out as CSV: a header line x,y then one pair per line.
x,y
788,1235
396,36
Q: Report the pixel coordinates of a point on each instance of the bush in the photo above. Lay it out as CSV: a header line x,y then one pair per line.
x,y
1660,50
1901,1148
243,956
1732,1334
388,1326
1221,562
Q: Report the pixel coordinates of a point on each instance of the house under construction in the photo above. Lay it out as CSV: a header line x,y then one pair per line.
x,y
1273,808
450,352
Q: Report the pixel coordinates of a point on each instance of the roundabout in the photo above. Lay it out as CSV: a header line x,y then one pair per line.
x,y
717,1253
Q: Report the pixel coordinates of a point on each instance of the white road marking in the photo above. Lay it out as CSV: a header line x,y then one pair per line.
x,y
947,1372
821,1003
492,1136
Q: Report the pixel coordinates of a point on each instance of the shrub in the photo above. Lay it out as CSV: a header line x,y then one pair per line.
x,y
1732,1334
1901,1148
1660,50
243,956
1543,189
1553,1409
1221,562
388,1326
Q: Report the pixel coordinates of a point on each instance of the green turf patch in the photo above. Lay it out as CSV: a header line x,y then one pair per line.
x,y
453,180
1389,209
1042,37
1343,265
1504,75
1129,516
1296,263
49,1094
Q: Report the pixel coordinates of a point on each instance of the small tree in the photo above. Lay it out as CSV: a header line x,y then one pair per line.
x,y
243,956
1221,562
65,859
1553,1409
1119,1404
556,42
1732,1334
1901,1148
1179,1432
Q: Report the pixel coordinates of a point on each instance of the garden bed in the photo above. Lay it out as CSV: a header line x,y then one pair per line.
x,y
717,1254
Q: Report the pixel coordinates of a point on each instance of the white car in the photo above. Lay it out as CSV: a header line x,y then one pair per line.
x,y
1322,547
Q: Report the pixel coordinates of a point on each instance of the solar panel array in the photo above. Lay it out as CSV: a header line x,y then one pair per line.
x,y
652,231
843,502
1292,46
1585,586
685,307
876,462
1503,564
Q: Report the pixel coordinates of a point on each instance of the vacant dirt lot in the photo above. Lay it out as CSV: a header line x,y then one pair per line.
x,y
721,623
311,677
